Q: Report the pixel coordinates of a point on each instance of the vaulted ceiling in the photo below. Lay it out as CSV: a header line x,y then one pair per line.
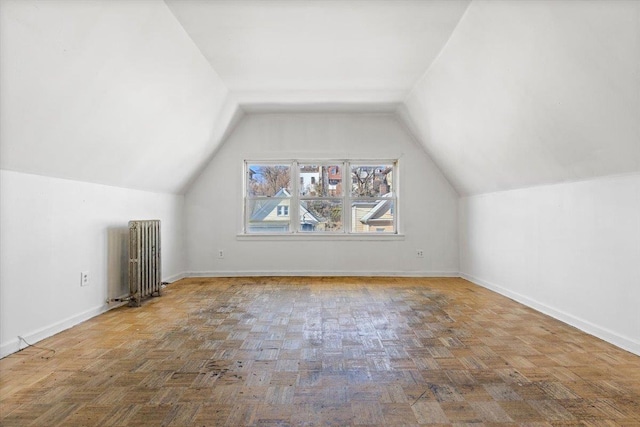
x,y
139,94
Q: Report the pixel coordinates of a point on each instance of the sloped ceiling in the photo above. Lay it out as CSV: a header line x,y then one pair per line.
x,y
140,93
533,92
106,92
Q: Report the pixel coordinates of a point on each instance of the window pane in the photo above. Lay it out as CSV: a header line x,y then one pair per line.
x,y
320,180
375,216
268,215
268,180
321,215
371,180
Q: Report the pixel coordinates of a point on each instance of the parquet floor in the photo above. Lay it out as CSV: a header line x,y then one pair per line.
x,y
322,351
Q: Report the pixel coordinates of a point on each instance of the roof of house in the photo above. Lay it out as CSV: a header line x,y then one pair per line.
x,y
271,203
379,209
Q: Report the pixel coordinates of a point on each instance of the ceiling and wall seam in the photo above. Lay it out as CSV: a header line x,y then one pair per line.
x,y
186,33
444,46
229,102
401,115
404,112
554,184
235,117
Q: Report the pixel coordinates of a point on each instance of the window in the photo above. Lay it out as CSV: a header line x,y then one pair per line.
x,y
268,189
320,208
283,210
372,198
330,197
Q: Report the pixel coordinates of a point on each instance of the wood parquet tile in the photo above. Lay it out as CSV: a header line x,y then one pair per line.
x,y
322,351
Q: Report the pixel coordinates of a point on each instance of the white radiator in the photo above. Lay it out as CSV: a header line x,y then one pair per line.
x,y
144,260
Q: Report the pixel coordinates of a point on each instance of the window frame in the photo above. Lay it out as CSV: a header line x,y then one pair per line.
x,y
247,199
346,198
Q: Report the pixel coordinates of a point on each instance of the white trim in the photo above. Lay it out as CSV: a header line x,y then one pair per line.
x,y
175,277
33,337
624,342
305,273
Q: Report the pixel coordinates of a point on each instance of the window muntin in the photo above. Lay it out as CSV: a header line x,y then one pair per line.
x,y
322,190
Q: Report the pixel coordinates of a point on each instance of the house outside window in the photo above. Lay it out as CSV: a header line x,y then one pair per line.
x,y
325,205
320,203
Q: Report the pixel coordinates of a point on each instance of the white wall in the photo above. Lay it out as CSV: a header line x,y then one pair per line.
x,y
52,229
428,204
569,250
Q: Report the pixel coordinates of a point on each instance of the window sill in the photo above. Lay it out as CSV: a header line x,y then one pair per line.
x,y
318,236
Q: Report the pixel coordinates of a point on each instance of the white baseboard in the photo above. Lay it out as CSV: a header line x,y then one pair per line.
x,y
175,277
314,273
626,343
33,337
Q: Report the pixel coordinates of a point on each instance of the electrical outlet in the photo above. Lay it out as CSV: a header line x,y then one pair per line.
x,y
84,278
220,254
419,253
